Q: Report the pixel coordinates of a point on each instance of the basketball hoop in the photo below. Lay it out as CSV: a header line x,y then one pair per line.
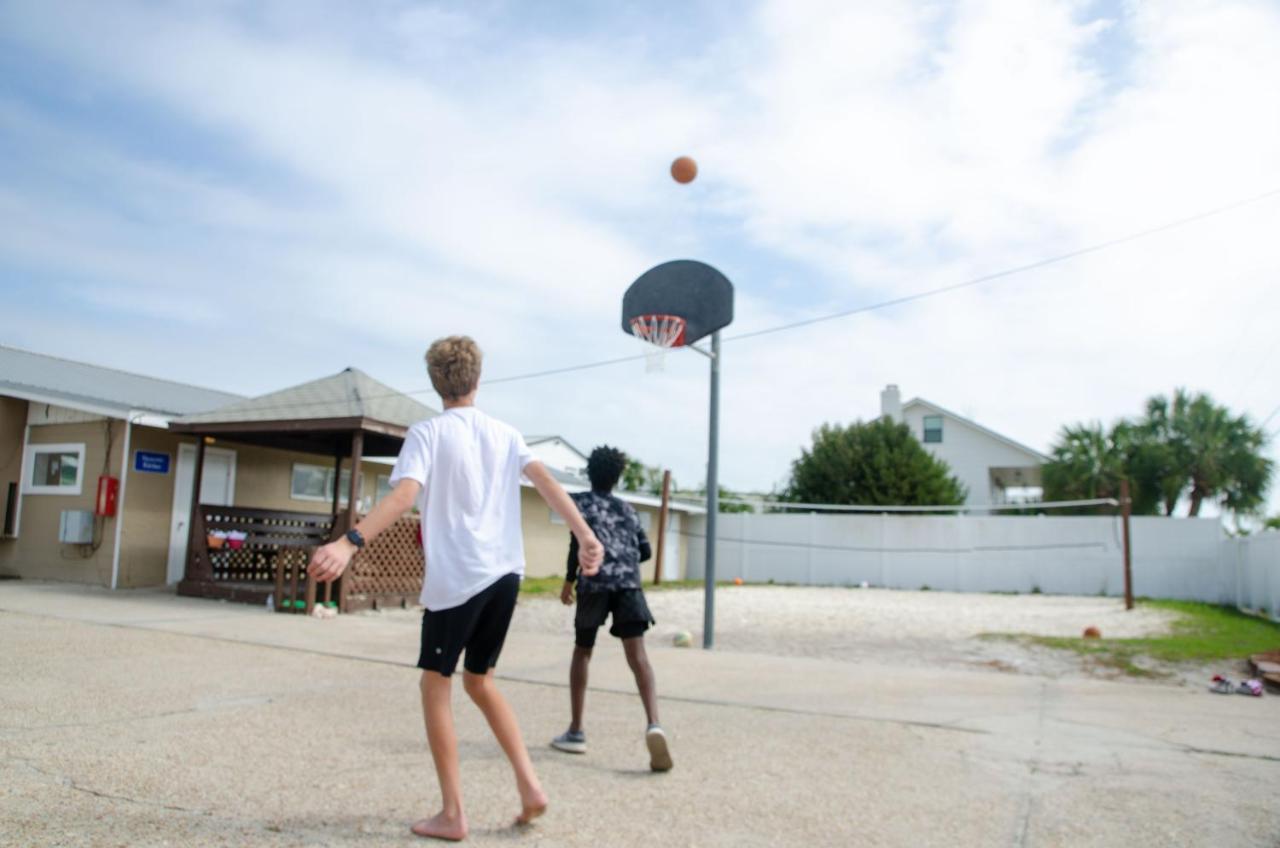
x,y
659,333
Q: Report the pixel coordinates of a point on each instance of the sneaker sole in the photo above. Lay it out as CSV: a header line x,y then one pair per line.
x,y
659,753
570,747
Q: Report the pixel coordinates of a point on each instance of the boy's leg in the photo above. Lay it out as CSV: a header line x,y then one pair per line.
x,y
578,683
502,721
437,713
638,660
483,649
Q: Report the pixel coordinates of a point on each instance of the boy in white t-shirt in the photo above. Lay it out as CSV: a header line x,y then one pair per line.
x,y
463,469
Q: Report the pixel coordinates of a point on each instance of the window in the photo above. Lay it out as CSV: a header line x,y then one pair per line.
x,y
315,483
383,487
933,428
54,469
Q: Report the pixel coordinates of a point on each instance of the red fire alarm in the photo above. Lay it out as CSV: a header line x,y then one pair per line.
x,y
108,491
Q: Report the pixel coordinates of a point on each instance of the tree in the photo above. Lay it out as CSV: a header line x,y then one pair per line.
x,y
1087,462
1182,447
645,479
877,463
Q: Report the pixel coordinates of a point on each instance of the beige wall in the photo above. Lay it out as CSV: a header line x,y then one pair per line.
x,y
546,543
148,511
36,552
13,423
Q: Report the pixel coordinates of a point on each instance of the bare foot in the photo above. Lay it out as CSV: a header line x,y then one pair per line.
x,y
440,826
534,805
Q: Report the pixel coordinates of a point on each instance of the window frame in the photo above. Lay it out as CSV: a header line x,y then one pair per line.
x,y
329,483
925,430
29,468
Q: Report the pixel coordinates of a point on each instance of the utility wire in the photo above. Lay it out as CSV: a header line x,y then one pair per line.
x,y
884,304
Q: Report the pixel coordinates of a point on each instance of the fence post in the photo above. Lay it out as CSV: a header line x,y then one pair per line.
x,y
1128,550
662,527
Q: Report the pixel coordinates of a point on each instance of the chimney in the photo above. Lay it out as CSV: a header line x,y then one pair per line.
x,y
891,403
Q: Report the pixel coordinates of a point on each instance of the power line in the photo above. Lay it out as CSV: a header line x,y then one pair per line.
x,y
884,304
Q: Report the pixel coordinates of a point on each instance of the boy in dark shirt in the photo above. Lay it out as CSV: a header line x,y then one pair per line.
x,y
613,590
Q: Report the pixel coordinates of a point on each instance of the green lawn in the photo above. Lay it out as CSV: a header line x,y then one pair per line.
x,y
1201,633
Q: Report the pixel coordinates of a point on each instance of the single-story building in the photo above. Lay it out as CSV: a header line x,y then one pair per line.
x,y
65,425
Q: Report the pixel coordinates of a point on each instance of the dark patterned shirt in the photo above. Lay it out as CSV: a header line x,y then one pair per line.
x,y
616,525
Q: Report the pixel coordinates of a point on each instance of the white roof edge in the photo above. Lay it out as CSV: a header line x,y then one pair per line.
x,y
987,430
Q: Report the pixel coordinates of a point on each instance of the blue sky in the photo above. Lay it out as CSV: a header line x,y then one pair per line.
x,y
250,195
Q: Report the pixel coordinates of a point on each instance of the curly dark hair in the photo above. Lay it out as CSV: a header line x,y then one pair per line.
x,y
605,467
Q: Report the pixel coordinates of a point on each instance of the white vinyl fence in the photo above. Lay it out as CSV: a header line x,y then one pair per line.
x,y
1185,558
1254,562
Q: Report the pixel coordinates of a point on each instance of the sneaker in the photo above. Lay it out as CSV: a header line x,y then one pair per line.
x,y
659,753
1221,685
571,742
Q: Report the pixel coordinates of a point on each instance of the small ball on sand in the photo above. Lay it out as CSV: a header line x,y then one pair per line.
x,y
682,639
1092,632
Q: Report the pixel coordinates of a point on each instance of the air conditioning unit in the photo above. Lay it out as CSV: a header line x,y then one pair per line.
x,y
76,527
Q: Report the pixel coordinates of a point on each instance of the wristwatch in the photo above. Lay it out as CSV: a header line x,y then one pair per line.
x,y
354,537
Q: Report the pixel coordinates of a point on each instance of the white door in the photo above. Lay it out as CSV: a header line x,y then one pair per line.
x,y
217,486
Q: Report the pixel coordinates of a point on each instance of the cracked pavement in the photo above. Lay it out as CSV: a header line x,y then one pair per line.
x,y
142,719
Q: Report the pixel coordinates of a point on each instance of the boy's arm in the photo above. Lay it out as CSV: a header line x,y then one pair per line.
x,y
329,561
590,551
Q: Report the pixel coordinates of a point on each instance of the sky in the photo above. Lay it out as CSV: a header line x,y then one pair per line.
x,y
251,195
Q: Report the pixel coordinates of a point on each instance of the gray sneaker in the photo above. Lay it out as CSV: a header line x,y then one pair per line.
x,y
571,742
659,753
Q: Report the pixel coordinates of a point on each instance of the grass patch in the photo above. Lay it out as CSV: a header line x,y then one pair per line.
x,y
1200,633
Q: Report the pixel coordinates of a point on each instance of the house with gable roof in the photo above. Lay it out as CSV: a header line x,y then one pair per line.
x,y
994,468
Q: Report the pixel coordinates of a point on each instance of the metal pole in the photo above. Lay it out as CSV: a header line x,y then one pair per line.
x,y
662,527
1128,550
713,499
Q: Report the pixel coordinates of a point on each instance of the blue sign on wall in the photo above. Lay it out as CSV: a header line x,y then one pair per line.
x,y
151,462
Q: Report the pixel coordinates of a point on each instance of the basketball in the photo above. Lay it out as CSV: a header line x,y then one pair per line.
x,y
1092,633
684,169
682,639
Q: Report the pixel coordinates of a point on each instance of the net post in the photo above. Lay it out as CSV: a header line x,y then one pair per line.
x,y
1125,508
713,500
662,527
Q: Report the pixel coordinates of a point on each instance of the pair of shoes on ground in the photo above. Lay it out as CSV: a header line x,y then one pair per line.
x,y
1225,686
575,742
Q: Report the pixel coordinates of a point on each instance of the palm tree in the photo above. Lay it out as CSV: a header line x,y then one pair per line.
x,y
1199,449
1086,463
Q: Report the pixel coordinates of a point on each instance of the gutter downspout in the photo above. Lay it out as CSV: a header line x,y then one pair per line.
x,y
124,482
22,476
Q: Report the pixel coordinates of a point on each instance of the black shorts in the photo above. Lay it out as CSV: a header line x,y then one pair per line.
x,y
631,616
479,626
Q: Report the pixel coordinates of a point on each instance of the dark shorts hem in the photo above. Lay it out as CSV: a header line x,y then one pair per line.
x,y
478,627
627,608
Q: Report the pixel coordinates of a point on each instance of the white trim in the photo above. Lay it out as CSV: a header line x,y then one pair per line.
x,y
28,455
1042,458
124,483
22,475
53,400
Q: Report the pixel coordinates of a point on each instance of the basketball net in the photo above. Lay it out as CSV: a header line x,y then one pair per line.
x,y
658,333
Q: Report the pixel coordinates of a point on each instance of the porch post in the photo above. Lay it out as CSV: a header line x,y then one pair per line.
x,y
351,517
198,569
337,480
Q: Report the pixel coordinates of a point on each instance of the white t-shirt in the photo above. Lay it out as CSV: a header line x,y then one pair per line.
x,y
469,466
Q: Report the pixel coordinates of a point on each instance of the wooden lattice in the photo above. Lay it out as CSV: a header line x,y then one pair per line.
x,y
267,533
388,572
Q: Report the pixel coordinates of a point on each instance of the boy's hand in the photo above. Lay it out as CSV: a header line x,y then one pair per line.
x,y
329,561
566,594
590,554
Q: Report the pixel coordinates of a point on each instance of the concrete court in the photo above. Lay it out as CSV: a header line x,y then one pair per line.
x,y
140,719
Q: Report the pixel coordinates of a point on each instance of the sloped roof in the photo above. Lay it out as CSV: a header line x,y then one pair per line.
x,y
350,393
106,391
1032,452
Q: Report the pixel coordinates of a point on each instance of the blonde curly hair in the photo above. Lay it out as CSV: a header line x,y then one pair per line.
x,y
454,366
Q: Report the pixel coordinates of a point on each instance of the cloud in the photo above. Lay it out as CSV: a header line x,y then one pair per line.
x,y
359,184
